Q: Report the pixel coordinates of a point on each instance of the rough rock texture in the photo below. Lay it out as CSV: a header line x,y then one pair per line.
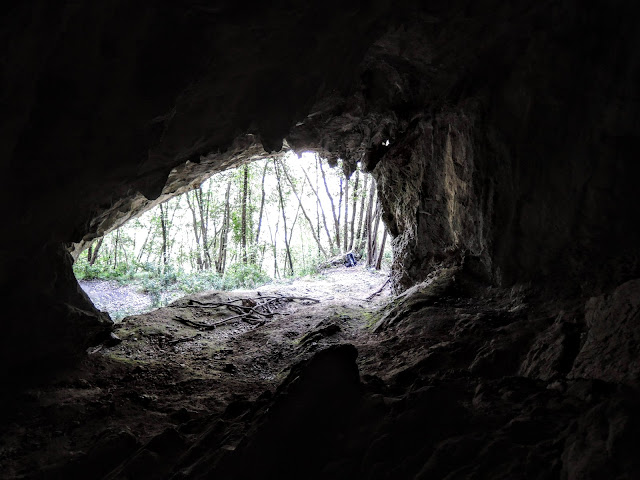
x,y
112,107
505,144
511,127
611,351
512,150
445,388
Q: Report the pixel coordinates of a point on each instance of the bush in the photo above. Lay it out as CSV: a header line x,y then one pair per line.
x,y
240,275
199,281
84,271
157,285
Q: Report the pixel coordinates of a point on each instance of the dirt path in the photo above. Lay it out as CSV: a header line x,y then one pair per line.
x,y
254,354
123,300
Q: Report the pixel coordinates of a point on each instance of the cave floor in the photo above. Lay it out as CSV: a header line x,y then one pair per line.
x,y
165,373
451,379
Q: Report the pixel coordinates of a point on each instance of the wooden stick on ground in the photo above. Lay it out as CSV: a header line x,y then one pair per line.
x,y
377,292
245,312
186,339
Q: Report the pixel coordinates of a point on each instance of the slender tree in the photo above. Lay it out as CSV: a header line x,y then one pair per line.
x,y
319,204
163,226
316,235
372,235
115,249
243,221
196,228
94,255
274,245
333,208
204,202
224,232
284,221
346,215
262,198
381,252
363,222
353,209
144,244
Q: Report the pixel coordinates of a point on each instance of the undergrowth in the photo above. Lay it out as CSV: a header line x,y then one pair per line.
x,y
162,286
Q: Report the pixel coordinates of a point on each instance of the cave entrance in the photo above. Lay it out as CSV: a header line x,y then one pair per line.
x,y
272,220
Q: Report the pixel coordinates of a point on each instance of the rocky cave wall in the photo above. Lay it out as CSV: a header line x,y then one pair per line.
x,y
512,132
512,138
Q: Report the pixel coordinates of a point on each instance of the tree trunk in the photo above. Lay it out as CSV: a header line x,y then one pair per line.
x,y
203,208
372,235
163,224
360,235
243,222
340,189
96,250
381,252
115,250
346,215
316,236
224,230
284,221
262,197
333,208
324,218
353,209
144,244
196,230
274,242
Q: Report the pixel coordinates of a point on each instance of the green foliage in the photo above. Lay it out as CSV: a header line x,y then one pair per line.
x,y
240,275
200,281
134,253
100,271
157,285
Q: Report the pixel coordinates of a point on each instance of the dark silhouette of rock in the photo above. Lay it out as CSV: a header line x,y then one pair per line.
x,y
503,137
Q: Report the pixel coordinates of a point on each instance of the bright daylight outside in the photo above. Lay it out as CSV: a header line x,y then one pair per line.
x,y
273,222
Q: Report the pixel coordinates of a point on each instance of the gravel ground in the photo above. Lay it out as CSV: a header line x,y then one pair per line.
x,y
117,299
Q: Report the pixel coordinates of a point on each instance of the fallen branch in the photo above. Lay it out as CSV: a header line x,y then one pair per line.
x,y
377,292
244,312
186,339
191,323
290,299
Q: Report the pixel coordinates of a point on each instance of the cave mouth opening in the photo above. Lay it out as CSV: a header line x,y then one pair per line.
x,y
273,220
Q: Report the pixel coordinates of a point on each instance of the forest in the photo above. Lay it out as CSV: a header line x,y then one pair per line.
x,y
272,219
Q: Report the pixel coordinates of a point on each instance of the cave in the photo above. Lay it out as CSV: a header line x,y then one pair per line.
x,y
503,137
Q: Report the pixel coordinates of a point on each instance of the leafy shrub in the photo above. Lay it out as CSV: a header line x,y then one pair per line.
x,y
84,271
310,268
240,275
156,286
200,281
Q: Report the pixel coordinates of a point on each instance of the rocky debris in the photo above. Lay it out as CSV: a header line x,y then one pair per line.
x,y
611,351
320,332
297,435
229,368
552,354
417,297
472,383
112,341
